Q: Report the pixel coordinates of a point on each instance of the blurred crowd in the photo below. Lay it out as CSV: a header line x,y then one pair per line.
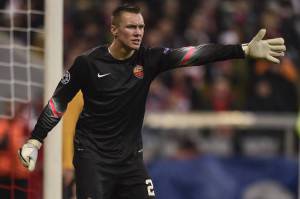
x,y
247,85
231,85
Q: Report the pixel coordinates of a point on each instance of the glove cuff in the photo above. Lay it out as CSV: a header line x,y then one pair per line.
x,y
35,143
245,48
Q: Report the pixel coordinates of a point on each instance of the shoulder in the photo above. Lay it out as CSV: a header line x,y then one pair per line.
x,y
88,55
94,52
156,50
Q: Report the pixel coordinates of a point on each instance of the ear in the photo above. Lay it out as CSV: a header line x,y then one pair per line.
x,y
114,30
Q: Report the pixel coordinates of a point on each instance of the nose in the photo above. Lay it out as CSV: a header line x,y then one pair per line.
x,y
138,31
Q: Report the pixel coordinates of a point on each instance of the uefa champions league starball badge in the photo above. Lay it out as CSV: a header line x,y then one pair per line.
x,y
66,78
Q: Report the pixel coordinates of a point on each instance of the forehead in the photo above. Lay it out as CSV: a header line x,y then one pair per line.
x,y
131,18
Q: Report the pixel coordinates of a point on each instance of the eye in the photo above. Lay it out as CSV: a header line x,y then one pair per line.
x,y
131,27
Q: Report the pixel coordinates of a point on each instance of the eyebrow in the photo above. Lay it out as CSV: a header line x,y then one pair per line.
x,y
131,25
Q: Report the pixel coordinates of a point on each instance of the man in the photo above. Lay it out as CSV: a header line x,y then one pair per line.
x,y
115,80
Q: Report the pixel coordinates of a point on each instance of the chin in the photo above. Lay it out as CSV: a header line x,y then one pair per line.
x,y
135,47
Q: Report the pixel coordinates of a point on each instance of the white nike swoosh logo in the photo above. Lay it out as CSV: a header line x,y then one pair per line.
x,y
99,75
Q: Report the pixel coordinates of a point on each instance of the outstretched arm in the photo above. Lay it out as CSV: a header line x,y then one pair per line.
x,y
199,55
270,49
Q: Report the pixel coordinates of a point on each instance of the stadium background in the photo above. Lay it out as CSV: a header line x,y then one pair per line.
x,y
223,162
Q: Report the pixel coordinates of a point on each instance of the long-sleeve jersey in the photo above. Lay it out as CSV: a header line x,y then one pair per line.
x,y
115,93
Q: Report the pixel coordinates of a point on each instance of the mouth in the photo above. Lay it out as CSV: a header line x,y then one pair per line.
x,y
136,41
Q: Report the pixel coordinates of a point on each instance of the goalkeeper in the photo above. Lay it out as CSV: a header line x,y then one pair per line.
x,y
115,81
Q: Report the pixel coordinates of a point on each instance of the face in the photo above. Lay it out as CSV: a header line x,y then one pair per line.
x,y
130,30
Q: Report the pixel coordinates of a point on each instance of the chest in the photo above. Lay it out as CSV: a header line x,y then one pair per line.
x,y
115,77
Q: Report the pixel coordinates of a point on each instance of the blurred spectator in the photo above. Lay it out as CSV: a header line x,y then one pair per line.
x,y
153,37
171,9
263,98
157,99
221,97
13,175
187,149
178,99
196,32
274,90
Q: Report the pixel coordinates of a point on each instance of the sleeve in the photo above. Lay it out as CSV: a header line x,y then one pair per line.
x,y
69,124
168,59
67,88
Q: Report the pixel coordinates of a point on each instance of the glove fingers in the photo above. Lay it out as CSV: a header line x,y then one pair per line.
x,y
277,54
275,41
260,35
273,59
23,160
279,48
31,165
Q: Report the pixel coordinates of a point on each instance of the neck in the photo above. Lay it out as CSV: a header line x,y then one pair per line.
x,y
119,51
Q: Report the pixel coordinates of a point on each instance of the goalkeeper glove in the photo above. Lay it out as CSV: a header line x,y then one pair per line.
x,y
269,49
29,152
